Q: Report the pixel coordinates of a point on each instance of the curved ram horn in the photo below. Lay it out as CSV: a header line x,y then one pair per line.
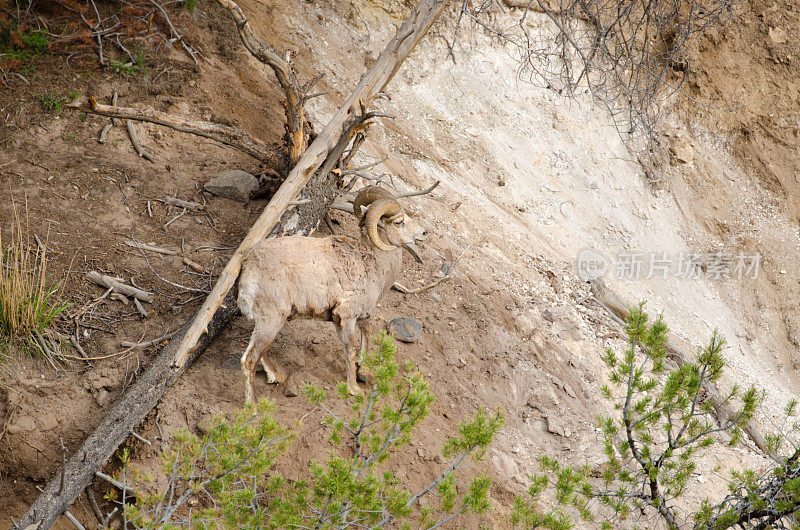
x,y
369,195
380,208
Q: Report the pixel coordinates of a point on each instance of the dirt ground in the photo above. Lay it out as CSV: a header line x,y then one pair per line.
x,y
528,180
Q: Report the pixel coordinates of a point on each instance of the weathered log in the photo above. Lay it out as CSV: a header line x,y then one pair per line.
x,y
721,410
126,414
220,305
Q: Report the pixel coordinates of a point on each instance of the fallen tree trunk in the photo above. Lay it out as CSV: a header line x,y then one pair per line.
x,y
220,306
617,307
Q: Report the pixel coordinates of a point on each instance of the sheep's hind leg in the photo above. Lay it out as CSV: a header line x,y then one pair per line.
x,y
346,330
256,351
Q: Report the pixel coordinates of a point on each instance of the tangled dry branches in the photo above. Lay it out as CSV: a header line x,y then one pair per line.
x,y
629,54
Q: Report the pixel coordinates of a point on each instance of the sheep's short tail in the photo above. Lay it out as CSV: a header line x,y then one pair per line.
x,y
247,296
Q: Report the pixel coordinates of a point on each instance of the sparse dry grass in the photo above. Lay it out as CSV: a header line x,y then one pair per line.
x,y
28,302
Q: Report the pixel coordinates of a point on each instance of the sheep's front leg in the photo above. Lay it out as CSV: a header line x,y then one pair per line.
x,y
347,333
363,326
365,376
260,341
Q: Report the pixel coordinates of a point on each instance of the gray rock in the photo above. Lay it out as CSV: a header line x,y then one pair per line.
x,y
406,329
557,424
232,184
102,397
290,387
22,424
682,150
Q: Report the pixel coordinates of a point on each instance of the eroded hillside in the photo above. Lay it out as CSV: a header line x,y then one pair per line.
x,y
529,179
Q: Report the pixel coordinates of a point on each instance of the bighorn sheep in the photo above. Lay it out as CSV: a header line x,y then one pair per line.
x,y
333,278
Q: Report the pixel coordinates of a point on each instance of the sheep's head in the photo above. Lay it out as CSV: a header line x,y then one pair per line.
x,y
386,213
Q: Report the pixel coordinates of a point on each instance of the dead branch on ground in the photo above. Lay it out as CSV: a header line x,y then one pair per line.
x,y
108,126
147,344
110,283
189,205
344,201
151,248
448,273
232,136
136,143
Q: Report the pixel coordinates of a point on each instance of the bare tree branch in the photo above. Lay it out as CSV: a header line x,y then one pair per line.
x,y
292,89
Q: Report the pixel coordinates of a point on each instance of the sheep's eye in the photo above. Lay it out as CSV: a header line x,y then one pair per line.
x,y
400,222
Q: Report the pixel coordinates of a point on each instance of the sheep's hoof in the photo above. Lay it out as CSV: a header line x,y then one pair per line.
x,y
357,391
365,375
275,378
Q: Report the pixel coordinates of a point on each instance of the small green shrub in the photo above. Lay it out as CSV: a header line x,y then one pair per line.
x,y
124,69
52,102
228,474
36,41
663,422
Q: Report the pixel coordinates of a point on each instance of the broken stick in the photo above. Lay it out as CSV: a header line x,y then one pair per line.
x,y
110,283
136,143
232,136
151,248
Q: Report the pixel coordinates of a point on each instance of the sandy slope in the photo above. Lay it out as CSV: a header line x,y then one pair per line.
x,y
528,180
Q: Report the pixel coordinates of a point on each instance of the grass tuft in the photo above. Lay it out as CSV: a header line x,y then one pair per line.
x,y
28,302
